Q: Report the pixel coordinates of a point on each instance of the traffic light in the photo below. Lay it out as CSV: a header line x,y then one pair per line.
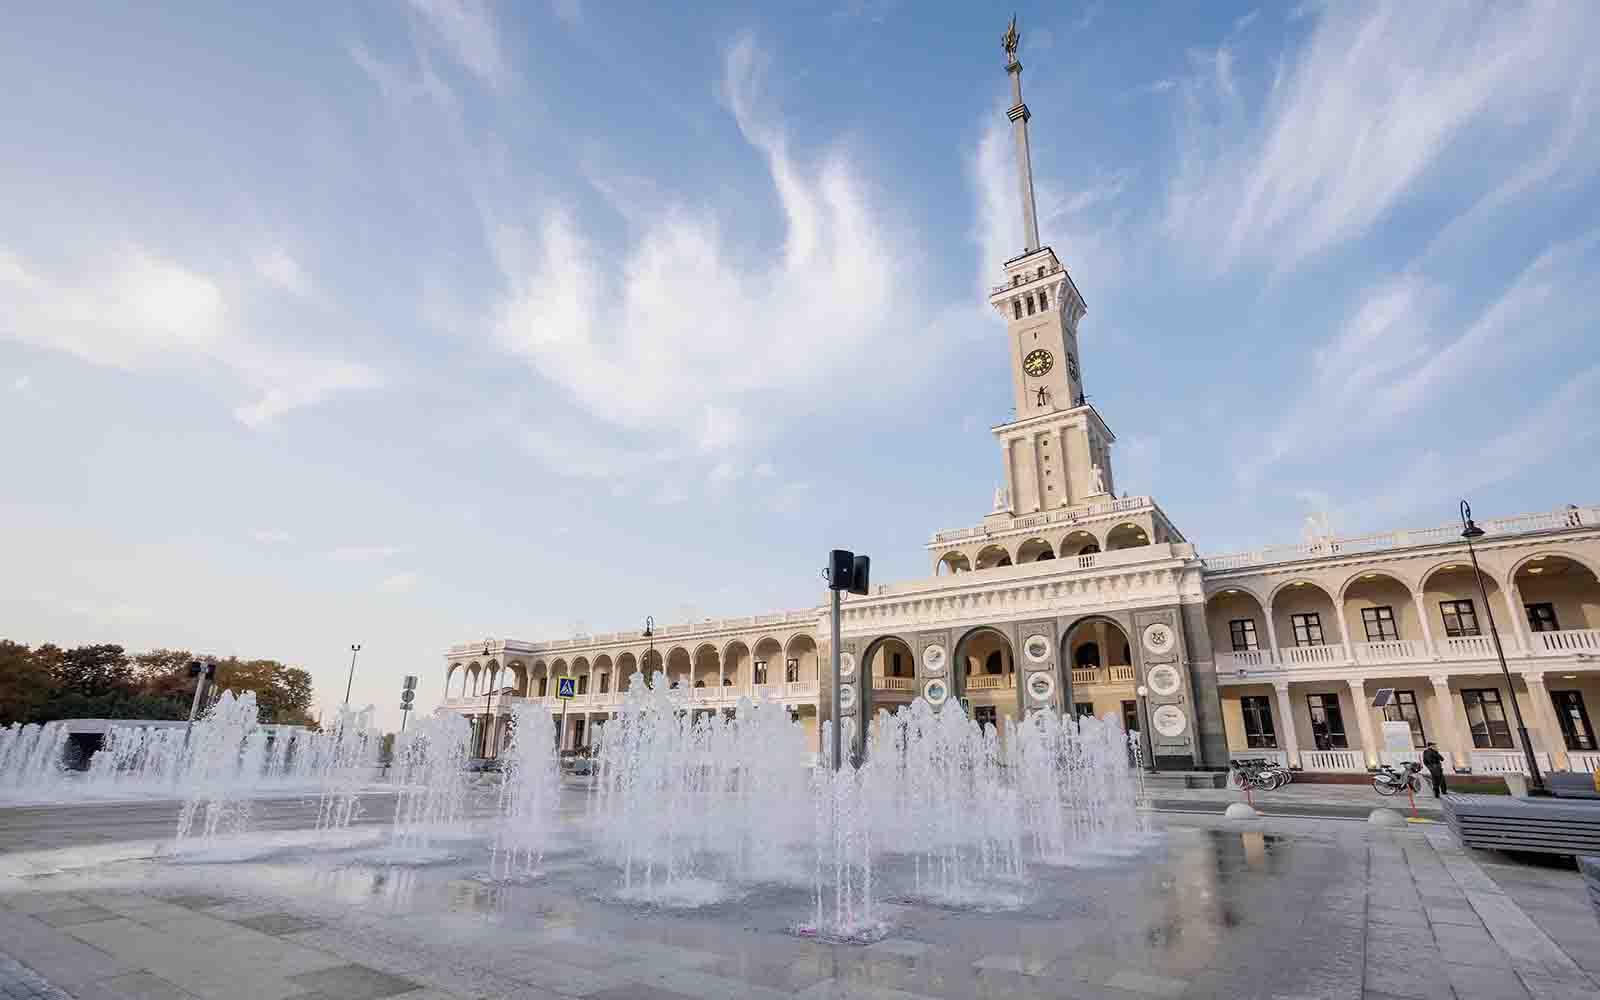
x,y
848,571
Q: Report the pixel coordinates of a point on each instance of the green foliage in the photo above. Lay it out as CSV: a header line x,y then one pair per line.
x,y
102,682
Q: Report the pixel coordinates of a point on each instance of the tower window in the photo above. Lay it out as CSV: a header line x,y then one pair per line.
x,y
1044,300
1030,305
1041,270
1016,279
1016,308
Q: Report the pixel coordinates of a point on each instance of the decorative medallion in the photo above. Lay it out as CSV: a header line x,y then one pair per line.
x,y
847,697
1164,679
847,665
936,691
933,659
1041,686
1169,720
1036,648
1158,638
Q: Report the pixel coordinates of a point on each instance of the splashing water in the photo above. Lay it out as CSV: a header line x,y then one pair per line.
x,y
430,758
30,758
222,744
531,783
346,758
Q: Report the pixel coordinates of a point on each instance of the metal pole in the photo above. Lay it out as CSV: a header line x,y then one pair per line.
x,y
200,682
838,717
354,649
1527,748
561,742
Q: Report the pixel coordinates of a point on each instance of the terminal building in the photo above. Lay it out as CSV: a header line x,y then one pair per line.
x,y
1069,596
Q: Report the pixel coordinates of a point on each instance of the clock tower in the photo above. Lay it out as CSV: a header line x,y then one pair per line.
x,y
1057,452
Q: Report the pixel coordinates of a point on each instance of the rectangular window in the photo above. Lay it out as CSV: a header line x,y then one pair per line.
x,y
1030,304
1307,629
1460,618
1130,715
577,733
1380,624
1083,708
894,665
1243,631
1016,308
1258,731
605,683
1327,722
1044,300
791,671
1542,618
544,685
583,683
761,671
1404,709
984,715
1574,719
1486,717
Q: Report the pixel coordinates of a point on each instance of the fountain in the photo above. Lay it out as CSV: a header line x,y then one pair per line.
x,y
529,790
222,746
430,772
30,758
347,759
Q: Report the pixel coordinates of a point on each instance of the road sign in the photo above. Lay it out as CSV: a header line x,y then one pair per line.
x,y
407,695
410,682
566,687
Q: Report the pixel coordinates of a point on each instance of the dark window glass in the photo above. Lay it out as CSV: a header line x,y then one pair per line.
x,y
1243,632
791,670
605,683
1307,629
894,665
577,732
984,715
1486,717
1016,308
994,663
1574,719
1542,618
1130,715
1088,655
1044,300
1083,708
1379,623
1460,618
1327,722
761,671
1258,731
1404,709
583,683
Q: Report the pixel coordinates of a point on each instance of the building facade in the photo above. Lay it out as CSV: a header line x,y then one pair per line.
x,y
1068,596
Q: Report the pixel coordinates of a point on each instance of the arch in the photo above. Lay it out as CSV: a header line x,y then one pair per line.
x,y
519,677
1109,639
972,653
952,563
1299,583
1034,550
877,660
1380,606
1367,575
560,668
1079,542
469,687
1127,535
1305,597
679,666
580,665
736,663
1242,604
627,669
766,661
1557,591
1544,555
802,650
992,556
605,674
707,666
1461,565
450,678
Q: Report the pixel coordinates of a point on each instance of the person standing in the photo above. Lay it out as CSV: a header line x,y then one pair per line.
x,y
1433,760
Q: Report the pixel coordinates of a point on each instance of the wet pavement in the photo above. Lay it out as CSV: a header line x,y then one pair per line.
x,y
1282,907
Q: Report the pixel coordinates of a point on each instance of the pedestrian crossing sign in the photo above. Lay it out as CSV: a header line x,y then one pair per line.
x,y
566,687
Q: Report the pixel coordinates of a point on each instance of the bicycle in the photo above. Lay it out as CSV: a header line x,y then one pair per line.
x,y
1390,780
1258,773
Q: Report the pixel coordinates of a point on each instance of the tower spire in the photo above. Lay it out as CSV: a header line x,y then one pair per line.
x,y
1018,113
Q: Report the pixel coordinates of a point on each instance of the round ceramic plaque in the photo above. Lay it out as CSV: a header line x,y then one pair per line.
x,y
1036,648
933,659
847,697
1164,679
936,691
1158,638
847,665
1041,686
1169,720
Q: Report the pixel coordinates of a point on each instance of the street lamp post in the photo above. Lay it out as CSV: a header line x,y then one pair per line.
x,y
650,634
355,648
1147,746
1469,531
488,701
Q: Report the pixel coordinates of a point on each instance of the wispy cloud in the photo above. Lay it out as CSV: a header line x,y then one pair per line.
x,y
467,30
365,553
283,272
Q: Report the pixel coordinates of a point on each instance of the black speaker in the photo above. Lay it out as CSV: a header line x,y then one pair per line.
x,y
841,569
860,571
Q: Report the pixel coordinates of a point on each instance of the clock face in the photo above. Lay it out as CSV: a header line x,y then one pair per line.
x,y
1038,362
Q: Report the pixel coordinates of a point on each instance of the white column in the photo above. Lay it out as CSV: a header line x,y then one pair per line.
x,y
1369,742
1038,474
1427,629
1065,499
1272,635
1291,742
1519,617
1449,741
1546,728
1011,490
1344,630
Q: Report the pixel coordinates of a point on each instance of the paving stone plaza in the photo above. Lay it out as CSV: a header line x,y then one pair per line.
x,y
1279,907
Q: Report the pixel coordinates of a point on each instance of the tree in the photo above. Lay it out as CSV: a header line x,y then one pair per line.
x,y
283,693
93,671
24,684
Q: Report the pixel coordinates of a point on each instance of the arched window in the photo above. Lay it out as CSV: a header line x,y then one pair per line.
x,y
1016,308
1088,655
995,663
727,682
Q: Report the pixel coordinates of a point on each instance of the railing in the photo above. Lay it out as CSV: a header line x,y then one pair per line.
x,y
1568,640
1575,517
894,683
1332,760
1301,656
1085,675
1400,756
1063,515
1121,675
1245,659
990,682
1506,761
1389,651
1471,647
1578,760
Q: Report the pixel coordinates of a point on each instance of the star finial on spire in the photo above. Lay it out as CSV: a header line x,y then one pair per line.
x,y
1010,40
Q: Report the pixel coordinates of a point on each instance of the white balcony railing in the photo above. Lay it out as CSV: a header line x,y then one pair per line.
x,y
1565,641
1582,760
1390,651
1332,760
1400,756
894,683
1085,675
1246,659
1302,656
1506,761
990,682
1121,675
1471,647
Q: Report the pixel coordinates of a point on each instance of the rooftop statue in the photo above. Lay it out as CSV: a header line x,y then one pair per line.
x,y
1010,40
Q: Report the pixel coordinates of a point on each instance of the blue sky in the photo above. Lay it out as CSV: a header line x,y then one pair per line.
x,y
409,323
